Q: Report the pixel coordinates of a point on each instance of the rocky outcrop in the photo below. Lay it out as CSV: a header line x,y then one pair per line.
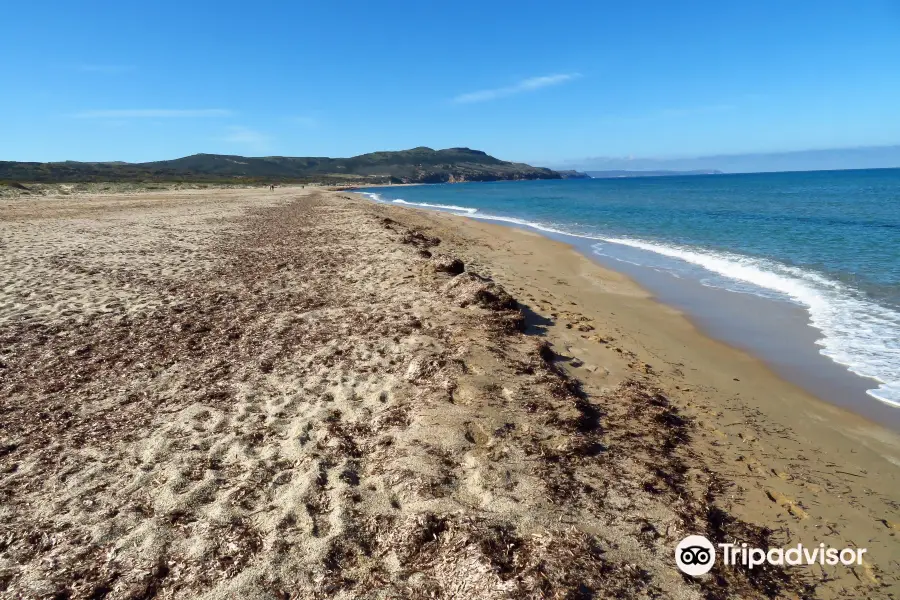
x,y
573,175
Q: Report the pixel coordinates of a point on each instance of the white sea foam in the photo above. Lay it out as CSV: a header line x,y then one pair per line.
x,y
378,198
441,206
533,225
857,333
860,334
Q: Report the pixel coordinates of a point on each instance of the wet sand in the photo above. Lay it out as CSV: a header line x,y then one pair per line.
x,y
777,332
299,394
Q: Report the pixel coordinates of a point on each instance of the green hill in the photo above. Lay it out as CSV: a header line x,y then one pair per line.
x,y
418,165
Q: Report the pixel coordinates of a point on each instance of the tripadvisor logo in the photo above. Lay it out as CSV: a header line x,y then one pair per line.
x,y
695,555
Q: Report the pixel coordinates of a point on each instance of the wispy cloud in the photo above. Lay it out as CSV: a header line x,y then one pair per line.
x,y
253,139
526,85
152,113
105,69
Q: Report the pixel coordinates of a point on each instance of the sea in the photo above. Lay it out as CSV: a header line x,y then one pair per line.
x,y
823,244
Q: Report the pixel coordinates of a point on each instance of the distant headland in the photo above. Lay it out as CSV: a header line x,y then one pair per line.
x,y
418,165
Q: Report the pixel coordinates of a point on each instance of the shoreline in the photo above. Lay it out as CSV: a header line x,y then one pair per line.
x,y
795,356
757,424
306,392
784,338
491,230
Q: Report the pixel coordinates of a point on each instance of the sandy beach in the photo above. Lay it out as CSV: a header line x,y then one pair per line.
x,y
304,394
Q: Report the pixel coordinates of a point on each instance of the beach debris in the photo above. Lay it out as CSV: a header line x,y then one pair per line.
x,y
787,503
417,238
471,289
545,351
448,264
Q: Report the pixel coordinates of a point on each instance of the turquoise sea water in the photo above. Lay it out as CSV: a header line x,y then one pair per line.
x,y
828,241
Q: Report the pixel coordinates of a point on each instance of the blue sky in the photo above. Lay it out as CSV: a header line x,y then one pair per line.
x,y
528,81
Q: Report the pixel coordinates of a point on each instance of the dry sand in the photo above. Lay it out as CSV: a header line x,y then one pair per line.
x,y
300,394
